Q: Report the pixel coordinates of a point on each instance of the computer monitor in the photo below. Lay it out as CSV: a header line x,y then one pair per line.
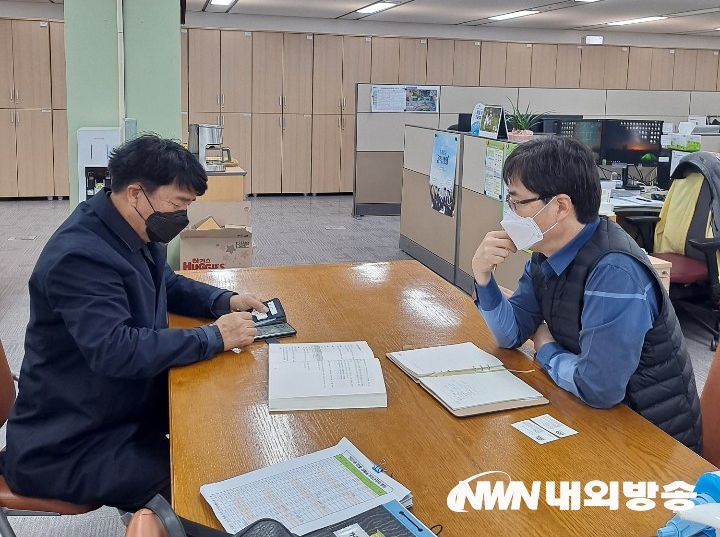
x,y
550,123
587,131
627,141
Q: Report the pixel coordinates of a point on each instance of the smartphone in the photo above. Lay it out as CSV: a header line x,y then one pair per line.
x,y
275,330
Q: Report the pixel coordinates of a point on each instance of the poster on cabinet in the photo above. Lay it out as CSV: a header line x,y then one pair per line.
x,y
443,169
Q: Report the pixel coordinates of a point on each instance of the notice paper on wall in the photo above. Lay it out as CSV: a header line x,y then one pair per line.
x,y
404,98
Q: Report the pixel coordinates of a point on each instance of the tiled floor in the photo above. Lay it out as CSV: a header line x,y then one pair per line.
x,y
287,231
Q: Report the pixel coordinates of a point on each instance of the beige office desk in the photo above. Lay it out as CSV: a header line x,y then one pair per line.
x,y
226,186
220,425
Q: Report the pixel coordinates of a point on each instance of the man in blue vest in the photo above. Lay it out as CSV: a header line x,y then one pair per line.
x,y
601,322
90,422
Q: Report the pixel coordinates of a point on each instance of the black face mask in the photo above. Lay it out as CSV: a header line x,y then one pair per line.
x,y
164,227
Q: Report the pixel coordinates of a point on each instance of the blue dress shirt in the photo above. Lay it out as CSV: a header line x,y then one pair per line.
x,y
620,306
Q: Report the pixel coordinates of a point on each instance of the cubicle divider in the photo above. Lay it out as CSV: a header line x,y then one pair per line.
x,y
446,244
380,135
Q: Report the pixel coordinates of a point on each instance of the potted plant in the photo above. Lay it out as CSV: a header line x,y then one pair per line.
x,y
521,122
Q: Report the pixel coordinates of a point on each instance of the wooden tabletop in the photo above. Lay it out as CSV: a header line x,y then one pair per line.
x,y
220,425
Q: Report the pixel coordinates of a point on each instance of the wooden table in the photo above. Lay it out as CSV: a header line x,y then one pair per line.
x,y
220,425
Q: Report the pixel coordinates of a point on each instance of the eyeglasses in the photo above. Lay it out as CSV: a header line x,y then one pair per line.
x,y
513,204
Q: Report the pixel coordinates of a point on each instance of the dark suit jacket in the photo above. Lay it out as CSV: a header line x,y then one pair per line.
x,y
91,415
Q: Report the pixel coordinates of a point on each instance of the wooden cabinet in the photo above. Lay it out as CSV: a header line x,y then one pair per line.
x,y
31,64
328,74
518,65
356,68
267,75
297,80
466,63
492,63
544,65
616,67
236,50
57,66
592,67
267,131
440,53
347,153
34,152
661,71
385,67
7,87
326,147
567,73
296,153
204,70
60,153
639,68
684,69
413,61
706,71
8,154
237,135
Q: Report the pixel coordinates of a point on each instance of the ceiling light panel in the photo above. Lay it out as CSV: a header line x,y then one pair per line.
x,y
513,15
376,7
636,21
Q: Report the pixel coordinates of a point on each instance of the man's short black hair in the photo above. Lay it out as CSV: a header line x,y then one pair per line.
x,y
154,162
552,165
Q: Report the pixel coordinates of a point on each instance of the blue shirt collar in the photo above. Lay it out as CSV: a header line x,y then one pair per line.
x,y
560,260
106,211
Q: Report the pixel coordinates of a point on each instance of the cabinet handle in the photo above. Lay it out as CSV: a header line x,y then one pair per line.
x,y
17,96
338,122
342,120
11,93
280,101
280,121
17,118
222,99
218,123
343,101
217,98
222,120
12,116
284,100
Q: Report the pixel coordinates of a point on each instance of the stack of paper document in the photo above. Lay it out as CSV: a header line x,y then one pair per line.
x,y
307,493
312,376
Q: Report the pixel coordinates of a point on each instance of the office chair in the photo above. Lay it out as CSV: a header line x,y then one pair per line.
x,y
687,233
12,504
710,409
145,523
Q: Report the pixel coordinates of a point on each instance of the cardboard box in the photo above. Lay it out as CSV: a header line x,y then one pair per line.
x,y
662,268
219,236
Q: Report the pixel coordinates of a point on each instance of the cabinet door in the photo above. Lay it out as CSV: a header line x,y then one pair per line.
x,y
544,65
327,74
592,67
34,152
661,72
31,64
440,57
267,78
297,74
57,65
347,153
60,153
296,153
204,70
639,66
267,153
326,142
184,70
684,69
567,73
492,63
519,65
237,135
7,87
357,54
385,60
706,72
616,67
466,63
235,71
413,61
8,156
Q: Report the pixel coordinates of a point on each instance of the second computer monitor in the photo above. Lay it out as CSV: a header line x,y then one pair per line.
x,y
631,141
587,131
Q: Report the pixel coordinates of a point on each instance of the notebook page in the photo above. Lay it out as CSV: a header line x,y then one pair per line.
x,y
307,352
445,358
477,389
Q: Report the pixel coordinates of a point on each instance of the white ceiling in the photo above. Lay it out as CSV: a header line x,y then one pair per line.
x,y
686,17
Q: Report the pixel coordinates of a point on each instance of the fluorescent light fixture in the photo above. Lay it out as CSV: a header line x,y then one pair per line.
x,y
512,15
376,7
221,2
636,21
586,1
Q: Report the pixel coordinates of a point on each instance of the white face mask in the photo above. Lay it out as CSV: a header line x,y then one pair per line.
x,y
523,230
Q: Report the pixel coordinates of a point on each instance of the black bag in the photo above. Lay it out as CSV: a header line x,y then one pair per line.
x,y
177,526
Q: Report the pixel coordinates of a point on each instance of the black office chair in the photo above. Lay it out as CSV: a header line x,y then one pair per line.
x,y
12,504
690,239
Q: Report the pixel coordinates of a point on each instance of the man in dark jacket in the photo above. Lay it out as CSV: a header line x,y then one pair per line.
x,y
602,324
91,415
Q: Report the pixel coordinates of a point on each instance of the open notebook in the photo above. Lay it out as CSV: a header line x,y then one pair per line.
x,y
466,379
